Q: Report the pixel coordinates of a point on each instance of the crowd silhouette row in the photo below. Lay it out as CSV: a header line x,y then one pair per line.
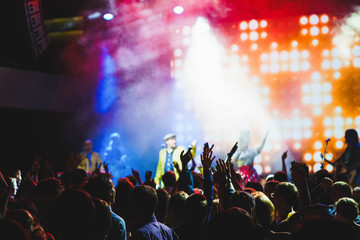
x,y
216,203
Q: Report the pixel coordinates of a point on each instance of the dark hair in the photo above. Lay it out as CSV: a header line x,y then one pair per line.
x,y
169,178
100,187
287,191
143,200
161,207
230,224
255,185
347,207
243,200
280,176
196,207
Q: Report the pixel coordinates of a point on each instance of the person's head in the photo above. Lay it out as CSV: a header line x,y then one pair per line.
x,y
264,210
161,207
254,185
115,139
176,209
101,187
142,202
77,178
351,137
102,220
231,224
269,187
88,145
321,174
196,208
285,195
45,194
73,212
356,194
170,140
243,200
324,228
169,178
280,176
346,209
339,190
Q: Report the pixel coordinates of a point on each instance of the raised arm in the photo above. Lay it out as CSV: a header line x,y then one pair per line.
x,y
259,148
206,160
283,158
299,177
185,181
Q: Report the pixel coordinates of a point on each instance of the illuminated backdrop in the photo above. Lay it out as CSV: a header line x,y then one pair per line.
x,y
297,77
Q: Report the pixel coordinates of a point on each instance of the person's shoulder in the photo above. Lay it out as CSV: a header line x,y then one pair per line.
x,y
116,218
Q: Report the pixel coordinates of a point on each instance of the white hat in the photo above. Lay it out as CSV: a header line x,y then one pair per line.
x,y
168,136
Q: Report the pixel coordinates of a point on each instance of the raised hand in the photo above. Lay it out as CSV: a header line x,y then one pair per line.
x,y
224,168
206,157
284,155
232,151
298,172
148,175
148,180
177,167
106,167
185,158
136,174
97,169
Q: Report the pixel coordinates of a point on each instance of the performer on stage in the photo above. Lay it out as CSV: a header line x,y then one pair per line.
x,y
349,162
243,159
114,153
169,155
89,158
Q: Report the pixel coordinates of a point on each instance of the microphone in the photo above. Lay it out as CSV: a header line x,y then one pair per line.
x,y
327,140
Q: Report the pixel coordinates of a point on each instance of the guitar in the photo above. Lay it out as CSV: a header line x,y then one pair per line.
x,y
340,170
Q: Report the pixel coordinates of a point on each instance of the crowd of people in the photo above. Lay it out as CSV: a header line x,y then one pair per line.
x,y
180,203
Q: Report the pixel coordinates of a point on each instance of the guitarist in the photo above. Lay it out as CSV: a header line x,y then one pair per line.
x,y
349,162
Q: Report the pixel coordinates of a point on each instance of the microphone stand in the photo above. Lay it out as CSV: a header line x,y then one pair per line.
x,y
323,158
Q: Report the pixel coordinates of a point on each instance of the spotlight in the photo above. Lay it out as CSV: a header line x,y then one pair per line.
x,y
263,23
336,64
304,31
254,36
253,24
274,45
324,18
303,20
294,44
263,35
326,64
307,157
254,46
356,51
284,55
244,36
314,19
326,53
243,25
178,10
318,145
315,42
108,16
325,30
314,31
356,62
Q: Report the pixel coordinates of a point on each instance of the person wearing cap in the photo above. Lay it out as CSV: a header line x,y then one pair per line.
x,y
167,156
